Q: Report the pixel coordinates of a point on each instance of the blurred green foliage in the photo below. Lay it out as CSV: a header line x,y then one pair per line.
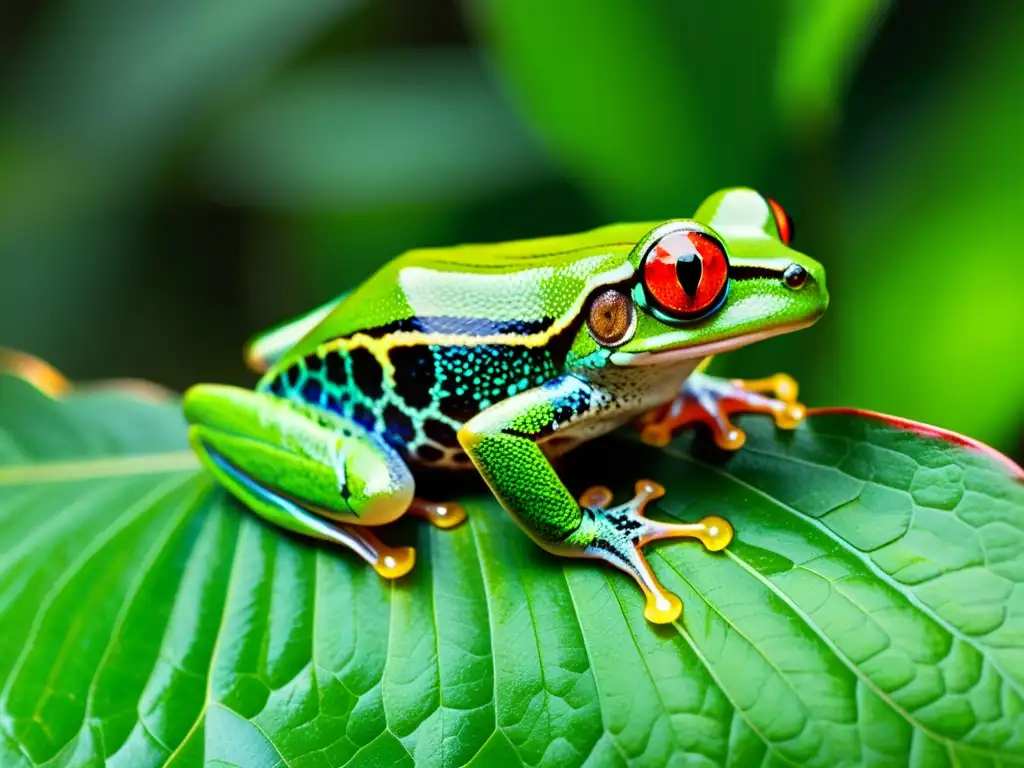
x,y
176,176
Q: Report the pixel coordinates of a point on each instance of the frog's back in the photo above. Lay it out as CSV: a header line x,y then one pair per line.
x,y
480,289
437,335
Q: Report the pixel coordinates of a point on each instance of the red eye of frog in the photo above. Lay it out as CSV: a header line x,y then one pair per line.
x,y
686,274
782,221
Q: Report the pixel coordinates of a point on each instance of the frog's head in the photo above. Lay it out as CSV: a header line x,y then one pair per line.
x,y
724,279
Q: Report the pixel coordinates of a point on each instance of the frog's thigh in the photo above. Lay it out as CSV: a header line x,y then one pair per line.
x,y
297,466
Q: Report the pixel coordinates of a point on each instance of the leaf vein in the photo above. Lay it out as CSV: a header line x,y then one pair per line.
x,y
908,593
119,524
214,650
771,747
911,720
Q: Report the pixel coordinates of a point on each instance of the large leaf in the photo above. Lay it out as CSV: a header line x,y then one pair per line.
x,y
869,612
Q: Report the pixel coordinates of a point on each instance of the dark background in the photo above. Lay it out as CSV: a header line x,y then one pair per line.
x,y
176,176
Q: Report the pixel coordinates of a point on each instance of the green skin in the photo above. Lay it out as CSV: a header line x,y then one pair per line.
x,y
482,356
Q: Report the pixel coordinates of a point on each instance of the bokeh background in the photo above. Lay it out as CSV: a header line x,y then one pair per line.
x,y
175,176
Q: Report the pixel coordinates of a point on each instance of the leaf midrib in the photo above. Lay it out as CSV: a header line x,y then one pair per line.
x,y
771,746
229,591
90,469
647,667
590,664
844,657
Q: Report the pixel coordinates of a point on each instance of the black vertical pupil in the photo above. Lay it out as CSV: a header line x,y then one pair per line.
x,y
689,269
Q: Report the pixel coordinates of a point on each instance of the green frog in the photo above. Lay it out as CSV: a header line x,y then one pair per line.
x,y
499,357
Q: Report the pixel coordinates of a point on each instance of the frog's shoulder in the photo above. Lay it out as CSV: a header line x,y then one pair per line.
x,y
481,289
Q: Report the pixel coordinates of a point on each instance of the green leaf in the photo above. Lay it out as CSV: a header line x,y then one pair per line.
x,y
869,612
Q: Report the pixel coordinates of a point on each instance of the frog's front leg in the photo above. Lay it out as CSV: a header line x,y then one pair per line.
x,y
307,470
711,400
503,442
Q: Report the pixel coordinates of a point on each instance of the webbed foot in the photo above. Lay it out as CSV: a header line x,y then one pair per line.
x,y
712,400
619,534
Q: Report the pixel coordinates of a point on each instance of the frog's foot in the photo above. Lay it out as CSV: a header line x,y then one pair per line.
x,y
711,400
388,562
443,516
618,535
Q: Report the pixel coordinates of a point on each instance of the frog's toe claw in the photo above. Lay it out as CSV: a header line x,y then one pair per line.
x,y
663,608
656,434
444,516
596,497
782,405
388,562
791,417
786,387
646,492
618,535
395,563
781,386
727,435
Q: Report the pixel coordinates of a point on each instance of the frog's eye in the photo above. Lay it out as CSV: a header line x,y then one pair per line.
x,y
686,273
612,318
782,221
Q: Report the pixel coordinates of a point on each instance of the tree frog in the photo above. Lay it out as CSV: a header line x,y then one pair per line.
x,y
498,358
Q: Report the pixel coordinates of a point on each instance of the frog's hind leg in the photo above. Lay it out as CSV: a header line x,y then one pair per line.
x,y
303,469
387,561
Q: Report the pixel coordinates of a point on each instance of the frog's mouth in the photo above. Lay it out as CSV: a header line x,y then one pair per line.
x,y
667,353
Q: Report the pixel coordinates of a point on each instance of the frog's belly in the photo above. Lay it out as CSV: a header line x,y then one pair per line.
x,y
416,398
622,395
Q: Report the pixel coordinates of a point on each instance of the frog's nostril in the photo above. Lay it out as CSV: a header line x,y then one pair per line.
x,y
795,276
